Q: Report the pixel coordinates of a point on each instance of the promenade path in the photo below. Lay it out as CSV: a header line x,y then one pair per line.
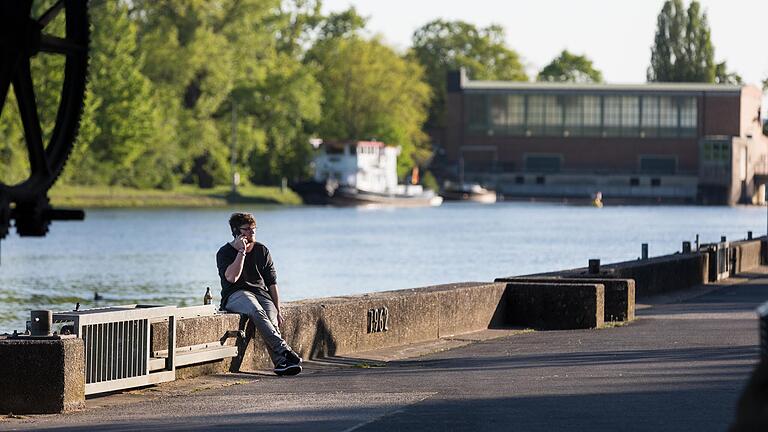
x,y
680,366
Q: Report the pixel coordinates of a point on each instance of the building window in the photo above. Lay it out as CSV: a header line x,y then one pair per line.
x,y
477,115
718,152
572,107
554,116
688,116
658,164
516,114
592,115
630,116
536,107
650,120
543,163
667,116
612,115
498,114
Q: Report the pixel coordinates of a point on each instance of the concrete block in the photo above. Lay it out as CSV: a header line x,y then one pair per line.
x,y
42,376
471,308
619,293
556,306
748,255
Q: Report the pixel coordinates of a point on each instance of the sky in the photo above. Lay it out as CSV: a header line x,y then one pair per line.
x,y
615,34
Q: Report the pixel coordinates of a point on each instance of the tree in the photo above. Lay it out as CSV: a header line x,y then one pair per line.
x,y
120,102
440,46
682,50
569,67
370,92
341,24
208,57
722,76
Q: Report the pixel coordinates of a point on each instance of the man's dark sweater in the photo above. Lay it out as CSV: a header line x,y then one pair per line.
x,y
258,270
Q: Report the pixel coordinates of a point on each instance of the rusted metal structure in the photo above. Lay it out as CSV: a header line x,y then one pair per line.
x,y
21,38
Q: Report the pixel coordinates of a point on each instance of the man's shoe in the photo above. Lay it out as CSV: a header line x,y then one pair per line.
x,y
286,368
291,357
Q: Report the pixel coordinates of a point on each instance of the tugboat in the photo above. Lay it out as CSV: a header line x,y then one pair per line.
x,y
363,173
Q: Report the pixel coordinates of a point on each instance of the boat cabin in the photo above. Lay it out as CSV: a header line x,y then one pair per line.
x,y
365,165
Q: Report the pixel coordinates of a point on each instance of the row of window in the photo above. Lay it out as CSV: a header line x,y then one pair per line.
x,y
589,115
552,163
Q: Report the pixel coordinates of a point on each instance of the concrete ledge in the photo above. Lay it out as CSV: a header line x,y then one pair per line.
x,y
652,276
42,376
556,306
342,325
619,293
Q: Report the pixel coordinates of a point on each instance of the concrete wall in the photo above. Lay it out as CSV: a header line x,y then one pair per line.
x,y
342,325
42,376
652,276
748,255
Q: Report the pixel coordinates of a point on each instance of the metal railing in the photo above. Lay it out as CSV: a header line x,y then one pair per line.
x,y
720,260
117,345
117,339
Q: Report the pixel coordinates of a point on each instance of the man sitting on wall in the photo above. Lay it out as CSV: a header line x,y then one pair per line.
x,y
249,286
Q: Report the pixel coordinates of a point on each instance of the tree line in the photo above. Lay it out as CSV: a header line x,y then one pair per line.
x,y
171,83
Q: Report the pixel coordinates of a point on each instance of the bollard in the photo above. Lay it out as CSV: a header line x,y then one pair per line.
x,y
644,251
749,235
762,314
594,266
41,322
722,239
686,247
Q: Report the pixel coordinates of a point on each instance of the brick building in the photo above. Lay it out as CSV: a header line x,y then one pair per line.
x,y
669,142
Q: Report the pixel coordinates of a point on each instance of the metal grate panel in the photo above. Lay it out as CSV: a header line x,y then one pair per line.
x,y
116,342
115,350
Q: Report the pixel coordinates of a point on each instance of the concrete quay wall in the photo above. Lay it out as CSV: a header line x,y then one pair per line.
x,y
343,325
667,273
48,375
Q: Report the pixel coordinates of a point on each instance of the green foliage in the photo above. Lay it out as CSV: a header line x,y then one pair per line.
x,y
370,92
429,181
120,102
165,78
683,50
13,150
569,67
207,57
440,46
342,24
722,76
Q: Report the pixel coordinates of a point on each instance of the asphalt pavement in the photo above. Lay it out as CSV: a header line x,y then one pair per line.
x,y
680,366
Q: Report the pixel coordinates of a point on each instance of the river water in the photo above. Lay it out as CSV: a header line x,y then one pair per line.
x,y
167,256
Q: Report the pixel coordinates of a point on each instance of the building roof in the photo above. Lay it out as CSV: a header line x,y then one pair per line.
x,y
549,86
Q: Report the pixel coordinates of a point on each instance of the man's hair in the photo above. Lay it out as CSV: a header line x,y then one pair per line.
x,y
239,219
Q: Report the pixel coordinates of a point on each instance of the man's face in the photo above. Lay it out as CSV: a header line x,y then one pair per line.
x,y
248,232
